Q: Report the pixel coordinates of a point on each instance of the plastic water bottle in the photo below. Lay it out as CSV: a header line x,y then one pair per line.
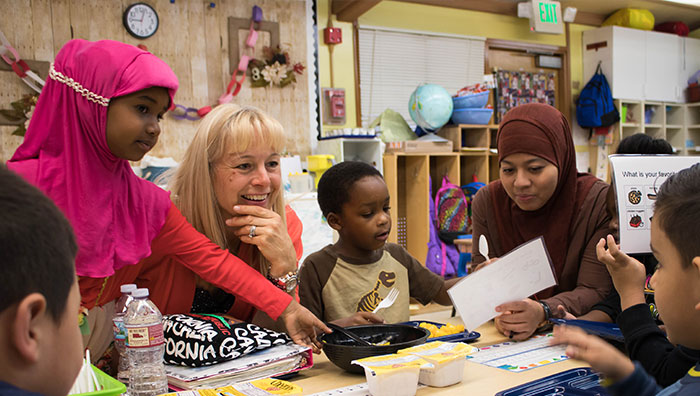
x,y
120,332
145,346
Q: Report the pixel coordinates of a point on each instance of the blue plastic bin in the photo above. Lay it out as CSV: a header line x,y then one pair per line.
x,y
472,116
472,101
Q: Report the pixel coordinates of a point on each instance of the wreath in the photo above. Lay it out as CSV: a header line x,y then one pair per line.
x,y
21,113
274,69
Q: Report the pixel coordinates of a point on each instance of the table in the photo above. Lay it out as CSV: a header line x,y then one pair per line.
x,y
479,379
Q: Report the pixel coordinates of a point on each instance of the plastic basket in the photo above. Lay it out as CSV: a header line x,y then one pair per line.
x,y
472,116
472,101
110,386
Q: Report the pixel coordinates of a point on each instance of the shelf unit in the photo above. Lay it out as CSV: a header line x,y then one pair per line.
x,y
409,175
476,145
353,149
692,128
678,123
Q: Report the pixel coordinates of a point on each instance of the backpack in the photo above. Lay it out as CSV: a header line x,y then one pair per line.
x,y
595,107
442,258
452,211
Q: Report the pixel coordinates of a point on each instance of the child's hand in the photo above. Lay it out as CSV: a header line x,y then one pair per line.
x,y
271,236
359,318
561,313
519,319
602,356
628,274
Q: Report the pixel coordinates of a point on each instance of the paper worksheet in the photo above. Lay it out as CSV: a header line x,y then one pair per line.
x,y
519,274
637,179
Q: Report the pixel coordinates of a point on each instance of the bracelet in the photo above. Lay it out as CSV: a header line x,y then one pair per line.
x,y
286,282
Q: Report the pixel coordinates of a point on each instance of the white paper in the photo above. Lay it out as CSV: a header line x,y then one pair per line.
x,y
519,274
637,179
316,233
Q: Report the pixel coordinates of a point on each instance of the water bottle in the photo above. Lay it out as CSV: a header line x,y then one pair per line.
x,y
120,332
145,346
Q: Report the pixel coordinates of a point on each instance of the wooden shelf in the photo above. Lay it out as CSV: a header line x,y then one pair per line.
x,y
409,177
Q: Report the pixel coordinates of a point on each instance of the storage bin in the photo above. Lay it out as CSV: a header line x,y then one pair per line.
x,y
473,101
472,116
110,386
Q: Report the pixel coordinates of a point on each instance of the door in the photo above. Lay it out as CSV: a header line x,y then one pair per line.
x,y
517,60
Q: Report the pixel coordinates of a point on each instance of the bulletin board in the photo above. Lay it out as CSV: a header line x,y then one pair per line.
x,y
519,87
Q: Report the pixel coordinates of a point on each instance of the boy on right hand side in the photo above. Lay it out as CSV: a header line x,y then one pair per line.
x,y
675,242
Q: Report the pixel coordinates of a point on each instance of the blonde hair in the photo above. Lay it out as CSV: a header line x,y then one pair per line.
x,y
228,128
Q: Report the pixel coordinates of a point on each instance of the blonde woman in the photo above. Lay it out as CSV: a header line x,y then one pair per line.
x,y
228,187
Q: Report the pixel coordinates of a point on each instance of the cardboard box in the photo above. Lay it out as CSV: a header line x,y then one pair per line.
x,y
419,146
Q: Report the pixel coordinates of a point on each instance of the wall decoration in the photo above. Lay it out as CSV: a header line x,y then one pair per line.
x,y
20,114
140,20
519,87
275,69
236,24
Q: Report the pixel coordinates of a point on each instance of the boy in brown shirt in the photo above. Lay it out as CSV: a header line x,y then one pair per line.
x,y
344,282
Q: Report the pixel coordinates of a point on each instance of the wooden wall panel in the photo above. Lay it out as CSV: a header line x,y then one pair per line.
x,y
192,38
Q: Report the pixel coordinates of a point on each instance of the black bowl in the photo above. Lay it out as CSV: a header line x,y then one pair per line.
x,y
342,350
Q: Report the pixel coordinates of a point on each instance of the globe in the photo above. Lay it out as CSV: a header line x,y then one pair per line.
x,y
430,106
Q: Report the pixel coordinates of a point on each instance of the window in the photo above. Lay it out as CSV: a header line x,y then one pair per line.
x,y
394,62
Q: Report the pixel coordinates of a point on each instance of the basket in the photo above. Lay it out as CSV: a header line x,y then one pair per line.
x,y
471,101
111,387
472,116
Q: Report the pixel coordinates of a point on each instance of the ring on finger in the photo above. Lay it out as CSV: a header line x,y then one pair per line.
x,y
252,233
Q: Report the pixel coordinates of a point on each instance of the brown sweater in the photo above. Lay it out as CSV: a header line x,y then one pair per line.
x,y
584,280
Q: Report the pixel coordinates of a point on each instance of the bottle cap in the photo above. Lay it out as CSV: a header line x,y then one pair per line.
x,y
140,293
127,288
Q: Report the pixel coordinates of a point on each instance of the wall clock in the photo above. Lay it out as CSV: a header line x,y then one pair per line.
x,y
140,20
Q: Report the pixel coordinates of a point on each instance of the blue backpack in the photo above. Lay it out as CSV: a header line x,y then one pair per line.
x,y
595,107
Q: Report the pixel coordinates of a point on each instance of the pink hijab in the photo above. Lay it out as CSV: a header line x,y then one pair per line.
x,y
114,213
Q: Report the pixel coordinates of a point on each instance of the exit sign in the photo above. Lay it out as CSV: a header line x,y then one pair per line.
x,y
546,17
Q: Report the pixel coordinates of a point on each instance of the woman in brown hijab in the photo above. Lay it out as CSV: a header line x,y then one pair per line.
x,y
540,193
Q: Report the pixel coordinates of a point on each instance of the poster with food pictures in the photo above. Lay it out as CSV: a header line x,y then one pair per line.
x,y
637,179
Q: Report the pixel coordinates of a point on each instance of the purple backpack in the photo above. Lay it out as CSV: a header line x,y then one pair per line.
x,y
442,258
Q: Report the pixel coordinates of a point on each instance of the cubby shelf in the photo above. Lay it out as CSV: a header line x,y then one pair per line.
x,y
410,177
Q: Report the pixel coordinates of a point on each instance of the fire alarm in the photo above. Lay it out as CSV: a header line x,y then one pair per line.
x,y
332,35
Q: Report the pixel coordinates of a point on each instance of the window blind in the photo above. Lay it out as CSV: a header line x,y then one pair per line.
x,y
394,62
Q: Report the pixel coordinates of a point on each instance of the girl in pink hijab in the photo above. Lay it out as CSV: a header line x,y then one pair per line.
x,y
100,108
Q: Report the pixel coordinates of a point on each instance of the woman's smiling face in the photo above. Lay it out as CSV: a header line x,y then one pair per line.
x,y
249,178
530,181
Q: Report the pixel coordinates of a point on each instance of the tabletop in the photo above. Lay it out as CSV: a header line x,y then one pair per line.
x,y
478,379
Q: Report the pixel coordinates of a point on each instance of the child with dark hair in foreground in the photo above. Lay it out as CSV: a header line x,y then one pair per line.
x,y
40,342
345,282
675,242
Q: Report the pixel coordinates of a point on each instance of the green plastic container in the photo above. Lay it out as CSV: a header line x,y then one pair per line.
x,y
111,387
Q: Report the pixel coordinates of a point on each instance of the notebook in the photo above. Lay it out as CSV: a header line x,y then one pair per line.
x,y
271,362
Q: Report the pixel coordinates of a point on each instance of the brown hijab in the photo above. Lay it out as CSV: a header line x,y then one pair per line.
x,y
540,130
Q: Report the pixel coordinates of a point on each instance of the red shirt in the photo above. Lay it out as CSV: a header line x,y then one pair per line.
x,y
178,254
